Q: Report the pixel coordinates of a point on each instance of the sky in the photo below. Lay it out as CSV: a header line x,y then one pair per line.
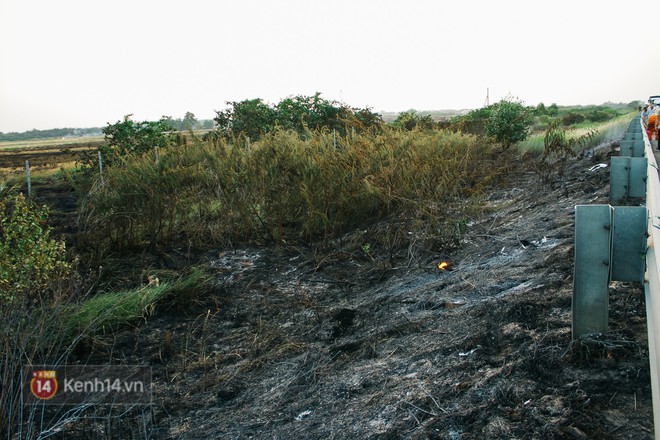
x,y
87,63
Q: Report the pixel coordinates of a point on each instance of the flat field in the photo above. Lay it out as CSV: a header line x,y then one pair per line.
x,y
43,154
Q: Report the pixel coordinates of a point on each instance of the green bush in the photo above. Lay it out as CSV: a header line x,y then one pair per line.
x,y
410,120
130,137
601,114
509,122
30,261
572,118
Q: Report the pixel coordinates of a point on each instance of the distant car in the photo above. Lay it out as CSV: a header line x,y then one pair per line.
x,y
654,99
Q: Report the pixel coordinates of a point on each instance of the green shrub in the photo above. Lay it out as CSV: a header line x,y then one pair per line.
x,y
410,120
572,118
30,261
130,137
509,122
34,282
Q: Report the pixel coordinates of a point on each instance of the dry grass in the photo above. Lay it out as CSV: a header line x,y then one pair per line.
x,y
282,189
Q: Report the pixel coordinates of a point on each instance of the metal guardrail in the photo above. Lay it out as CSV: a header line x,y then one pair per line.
x,y
619,243
652,277
611,240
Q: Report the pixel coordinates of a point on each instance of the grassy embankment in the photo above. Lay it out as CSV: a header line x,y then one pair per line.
x,y
604,132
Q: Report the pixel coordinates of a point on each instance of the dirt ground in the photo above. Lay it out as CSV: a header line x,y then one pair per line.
x,y
295,344
42,157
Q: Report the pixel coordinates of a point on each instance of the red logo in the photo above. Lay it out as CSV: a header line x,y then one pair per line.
x,y
43,384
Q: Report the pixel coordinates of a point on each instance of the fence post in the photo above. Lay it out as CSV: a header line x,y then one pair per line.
x,y
101,168
29,181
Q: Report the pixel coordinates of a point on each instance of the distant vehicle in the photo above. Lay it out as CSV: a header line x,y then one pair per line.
x,y
654,99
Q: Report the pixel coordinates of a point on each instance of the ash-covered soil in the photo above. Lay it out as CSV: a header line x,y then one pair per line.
x,y
344,345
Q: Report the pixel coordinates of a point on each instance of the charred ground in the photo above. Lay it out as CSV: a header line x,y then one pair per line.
x,y
298,344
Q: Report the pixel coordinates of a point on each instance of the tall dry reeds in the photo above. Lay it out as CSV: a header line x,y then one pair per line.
x,y
283,188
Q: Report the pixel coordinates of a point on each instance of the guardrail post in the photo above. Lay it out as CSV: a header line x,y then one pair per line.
x,y
632,135
591,277
610,245
632,148
627,179
629,236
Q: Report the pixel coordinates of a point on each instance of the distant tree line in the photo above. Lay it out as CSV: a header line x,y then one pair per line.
x,y
189,122
52,133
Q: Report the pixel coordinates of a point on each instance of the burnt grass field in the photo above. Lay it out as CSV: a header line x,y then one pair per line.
x,y
294,343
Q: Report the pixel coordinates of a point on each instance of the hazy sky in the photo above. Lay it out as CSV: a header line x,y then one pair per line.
x,y
84,63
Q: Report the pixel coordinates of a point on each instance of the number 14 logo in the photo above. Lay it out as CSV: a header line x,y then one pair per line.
x,y
43,384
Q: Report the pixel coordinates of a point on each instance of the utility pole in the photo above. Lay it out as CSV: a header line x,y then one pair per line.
x,y
487,97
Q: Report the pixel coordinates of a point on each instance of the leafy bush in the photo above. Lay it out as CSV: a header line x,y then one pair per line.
x,y
128,137
601,114
34,281
250,117
508,122
30,261
301,113
410,120
572,118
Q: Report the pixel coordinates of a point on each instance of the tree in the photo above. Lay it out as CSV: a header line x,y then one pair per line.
x,y
251,117
366,119
410,119
130,137
300,113
207,124
189,121
541,110
509,122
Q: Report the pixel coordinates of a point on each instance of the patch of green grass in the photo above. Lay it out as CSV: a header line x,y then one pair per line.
x,y
107,311
533,144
